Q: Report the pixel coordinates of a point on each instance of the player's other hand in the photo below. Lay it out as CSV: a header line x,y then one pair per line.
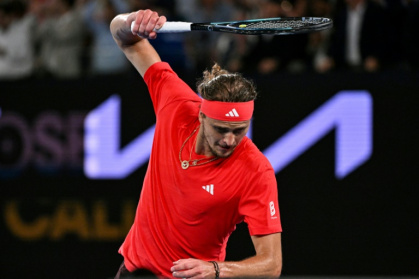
x,y
144,23
188,268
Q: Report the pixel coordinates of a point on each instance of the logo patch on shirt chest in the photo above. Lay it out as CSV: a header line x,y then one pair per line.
x,y
209,188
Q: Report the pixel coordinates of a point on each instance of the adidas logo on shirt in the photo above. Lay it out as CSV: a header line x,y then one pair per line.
x,y
209,188
233,113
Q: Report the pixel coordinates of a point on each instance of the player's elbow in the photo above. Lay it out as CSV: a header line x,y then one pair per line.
x,y
277,269
273,268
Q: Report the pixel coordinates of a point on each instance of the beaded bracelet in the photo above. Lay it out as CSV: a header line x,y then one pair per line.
x,y
217,269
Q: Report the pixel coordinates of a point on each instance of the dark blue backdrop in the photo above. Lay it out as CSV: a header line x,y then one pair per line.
x,y
55,220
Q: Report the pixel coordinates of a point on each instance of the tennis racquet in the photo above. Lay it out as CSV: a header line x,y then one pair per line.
x,y
272,26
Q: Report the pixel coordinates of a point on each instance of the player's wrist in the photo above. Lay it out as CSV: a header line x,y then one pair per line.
x,y
216,269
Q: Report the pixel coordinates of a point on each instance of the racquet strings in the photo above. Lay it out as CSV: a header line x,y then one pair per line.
x,y
277,24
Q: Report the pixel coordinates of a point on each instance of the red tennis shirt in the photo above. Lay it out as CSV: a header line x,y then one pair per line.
x,y
191,213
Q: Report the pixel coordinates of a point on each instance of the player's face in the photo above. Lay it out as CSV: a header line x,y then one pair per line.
x,y
222,137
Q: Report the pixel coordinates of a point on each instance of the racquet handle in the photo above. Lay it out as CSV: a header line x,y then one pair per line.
x,y
172,27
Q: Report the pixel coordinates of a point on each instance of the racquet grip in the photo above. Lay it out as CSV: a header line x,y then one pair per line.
x,y
172,27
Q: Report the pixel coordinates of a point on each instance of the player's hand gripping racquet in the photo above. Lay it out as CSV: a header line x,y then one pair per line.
x,y
272,26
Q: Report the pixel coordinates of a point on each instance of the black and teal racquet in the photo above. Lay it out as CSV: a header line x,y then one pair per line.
x,y
271,26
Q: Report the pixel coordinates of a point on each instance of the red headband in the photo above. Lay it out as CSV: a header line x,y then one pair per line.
x,y
227,111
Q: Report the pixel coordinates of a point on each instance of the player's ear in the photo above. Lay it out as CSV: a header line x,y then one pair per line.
x,y
201,116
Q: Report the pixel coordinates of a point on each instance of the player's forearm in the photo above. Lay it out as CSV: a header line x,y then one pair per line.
x,y
259,266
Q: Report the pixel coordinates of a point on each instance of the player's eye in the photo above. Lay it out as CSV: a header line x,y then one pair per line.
x,y
221,130
238,131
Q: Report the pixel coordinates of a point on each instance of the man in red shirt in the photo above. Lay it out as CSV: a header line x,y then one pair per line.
x,y
204,175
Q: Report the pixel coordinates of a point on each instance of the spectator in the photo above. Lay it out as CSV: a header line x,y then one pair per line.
x,y
231,48
357,42
140,4
16,44
318,42
104,56
186,8
201,46
61,37
278,53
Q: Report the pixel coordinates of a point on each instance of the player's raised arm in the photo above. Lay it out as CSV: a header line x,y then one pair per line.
x,y
132,37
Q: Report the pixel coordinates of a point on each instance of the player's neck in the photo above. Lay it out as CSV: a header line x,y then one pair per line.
x,y
202,147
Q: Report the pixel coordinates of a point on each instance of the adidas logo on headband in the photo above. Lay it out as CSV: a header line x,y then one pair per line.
x,y
232,113
217,110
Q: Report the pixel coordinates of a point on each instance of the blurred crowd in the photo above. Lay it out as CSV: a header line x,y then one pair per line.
x,y
71,39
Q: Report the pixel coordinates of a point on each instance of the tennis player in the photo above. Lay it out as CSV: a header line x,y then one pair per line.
x,y
204,175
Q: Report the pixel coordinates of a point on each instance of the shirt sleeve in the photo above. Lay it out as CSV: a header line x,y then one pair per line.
x,y
259,204
165,87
